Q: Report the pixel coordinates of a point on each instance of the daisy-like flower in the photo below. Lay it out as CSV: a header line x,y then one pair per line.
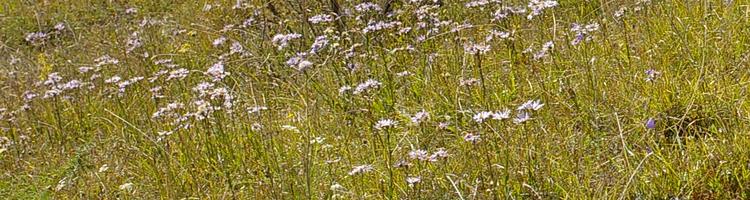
x,y
651,75
418,155
282,40
531,105
361,169
650,123
385,123
419,117
501,115
367,85
470,137
321,18
481,116
216,71
413,180
522,117
440,153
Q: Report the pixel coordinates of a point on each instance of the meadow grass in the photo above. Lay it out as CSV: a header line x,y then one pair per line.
x,y
392,99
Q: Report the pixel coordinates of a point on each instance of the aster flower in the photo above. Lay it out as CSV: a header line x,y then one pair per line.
x,y
650,123
216,71
501,115
651,75
522,117
361,169
481,116
531,105
321,18
380,25
320,43
419,117
367,85
282,40
413,180
470,137
537,6
418,155
367,6
385,123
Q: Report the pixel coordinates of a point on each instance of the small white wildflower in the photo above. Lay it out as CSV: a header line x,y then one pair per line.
x,y
501,115
413,180
321,18
522,117
103,168
126,186
219,41
481,116
367,85
531,105
418,155
470,137
344,89
361,169
282,40
419,117
216,71
385,123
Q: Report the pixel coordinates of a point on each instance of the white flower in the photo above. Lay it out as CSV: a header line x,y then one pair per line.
x,y
282,40
321,18
500,115
343,89
126,186
419,117
531,105
219,41
470,137
361,169
216,71
481,116
418,154
385,123
367,6
413,180
522,117
370,83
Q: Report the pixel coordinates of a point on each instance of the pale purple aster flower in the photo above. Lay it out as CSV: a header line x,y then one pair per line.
x,y
481,116
531,105
537,6
522,117
320,43
219,41
419,117
367,85
321,18
344,89
282,40
385,123
651,75
413,180
367,6
418,155
178,74
216,71
380,25
470,137
501,115
650,123
361,169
